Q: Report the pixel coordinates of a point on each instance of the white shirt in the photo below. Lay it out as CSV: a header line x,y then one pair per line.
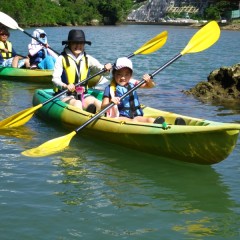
x,y
58,69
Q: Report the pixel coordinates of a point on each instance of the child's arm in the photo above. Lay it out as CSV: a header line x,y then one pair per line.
x,y
105,102
148,84
113,111
34,49
107,99
149,81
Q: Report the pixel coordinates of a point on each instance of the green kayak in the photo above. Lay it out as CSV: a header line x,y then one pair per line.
x,y
199,141
26,75
35,75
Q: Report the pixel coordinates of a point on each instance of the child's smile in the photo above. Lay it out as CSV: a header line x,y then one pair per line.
x,y
122,76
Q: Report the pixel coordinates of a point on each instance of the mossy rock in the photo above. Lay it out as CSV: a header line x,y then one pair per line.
x,y
223,85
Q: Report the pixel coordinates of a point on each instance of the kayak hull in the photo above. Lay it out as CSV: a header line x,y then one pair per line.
x,y
199,141
26,75
35,75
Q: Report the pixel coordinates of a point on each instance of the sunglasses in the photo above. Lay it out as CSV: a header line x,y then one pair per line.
x,y
42,35
4,34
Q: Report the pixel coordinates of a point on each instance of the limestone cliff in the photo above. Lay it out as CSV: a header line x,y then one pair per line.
x,y
155,10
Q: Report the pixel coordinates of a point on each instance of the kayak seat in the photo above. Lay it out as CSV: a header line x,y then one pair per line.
x,y
159,120
91,108
179,121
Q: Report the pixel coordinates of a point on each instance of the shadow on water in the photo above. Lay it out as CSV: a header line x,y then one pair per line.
x,y
190,199
225,108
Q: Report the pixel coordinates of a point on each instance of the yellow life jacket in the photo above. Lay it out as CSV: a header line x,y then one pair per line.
x,y
8,46
113,88
72,72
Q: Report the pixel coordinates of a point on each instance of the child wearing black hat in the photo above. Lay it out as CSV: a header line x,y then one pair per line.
x,y
73,66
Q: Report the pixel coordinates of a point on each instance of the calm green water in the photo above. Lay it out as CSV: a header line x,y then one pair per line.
x,y
95,190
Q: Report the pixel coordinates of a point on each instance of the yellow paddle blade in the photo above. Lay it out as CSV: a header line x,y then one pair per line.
x,y
50,147
19,118
203,39
154,44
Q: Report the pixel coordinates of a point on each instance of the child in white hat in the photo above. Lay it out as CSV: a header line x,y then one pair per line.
x,y
122,81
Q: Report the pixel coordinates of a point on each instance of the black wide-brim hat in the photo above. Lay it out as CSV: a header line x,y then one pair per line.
x,y
76,36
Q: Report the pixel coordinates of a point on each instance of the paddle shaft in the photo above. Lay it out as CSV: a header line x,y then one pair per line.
x,y
127,93
166,64
77,84
38,40
81,83
11,23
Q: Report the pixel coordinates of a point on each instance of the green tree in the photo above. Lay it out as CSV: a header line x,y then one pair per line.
x,y
219,9
82,12
114,11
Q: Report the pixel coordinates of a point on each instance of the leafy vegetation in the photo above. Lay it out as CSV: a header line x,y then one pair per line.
x,y
83,12
66,12
220,9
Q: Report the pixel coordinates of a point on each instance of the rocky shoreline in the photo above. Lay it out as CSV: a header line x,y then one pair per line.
x,y
230,26
223,85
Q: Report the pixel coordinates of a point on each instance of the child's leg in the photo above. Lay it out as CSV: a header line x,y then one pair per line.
x,y
92,100
144,119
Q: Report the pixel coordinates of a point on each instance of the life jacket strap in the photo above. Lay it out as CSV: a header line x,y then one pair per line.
x,y
132,109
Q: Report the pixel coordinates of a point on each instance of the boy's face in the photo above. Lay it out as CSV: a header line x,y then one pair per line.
x,y
122,76
3,36
76,47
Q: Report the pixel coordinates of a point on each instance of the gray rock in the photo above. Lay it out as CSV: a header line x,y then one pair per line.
x,y
223,85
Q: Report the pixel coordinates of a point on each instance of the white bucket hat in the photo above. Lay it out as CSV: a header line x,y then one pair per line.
x,y
123,62
36,34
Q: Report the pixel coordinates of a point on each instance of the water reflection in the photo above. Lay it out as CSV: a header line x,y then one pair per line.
x,y
23,132
15,97
187,199
228,109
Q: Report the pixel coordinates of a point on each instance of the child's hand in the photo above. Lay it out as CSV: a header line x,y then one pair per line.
x,y
108,66
115,100
71,87
147,78
149,81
